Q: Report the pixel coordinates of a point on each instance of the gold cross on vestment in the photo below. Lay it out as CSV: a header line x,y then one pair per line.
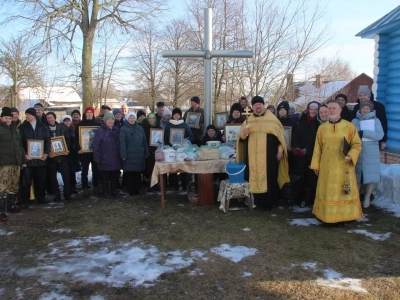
x,y
247,113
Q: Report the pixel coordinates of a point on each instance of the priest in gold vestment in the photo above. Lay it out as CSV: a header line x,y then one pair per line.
x,y
262,147
337,198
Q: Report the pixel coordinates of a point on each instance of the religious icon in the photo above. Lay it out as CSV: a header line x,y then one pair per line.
x,y
193,119
220,119
58,146
176,135
287,132
232,133
156,136
35,149
86,136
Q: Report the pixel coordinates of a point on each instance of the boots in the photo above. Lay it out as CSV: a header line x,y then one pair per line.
x,y
86,192
368,192
97,190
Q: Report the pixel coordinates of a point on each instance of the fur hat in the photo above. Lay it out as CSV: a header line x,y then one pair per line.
x,y
341,96
14,109
364,90
257,99
6,112
75,111
367,103
108,116
195,99
177,110
160,104
211,126
284,105
31,111
39,105
89,108
167,112
235,106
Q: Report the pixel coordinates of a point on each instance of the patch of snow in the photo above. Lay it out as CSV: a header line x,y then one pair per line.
x,y
54,295
298,209
333,279
312,265
387,191
237,208
246,274
173,223
363,219
3,232
196,271
374,236
305,222
96,297
1,291
246,229
273,215
234,254
60,230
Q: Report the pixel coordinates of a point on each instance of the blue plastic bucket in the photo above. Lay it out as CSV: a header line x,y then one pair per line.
x,y
235,172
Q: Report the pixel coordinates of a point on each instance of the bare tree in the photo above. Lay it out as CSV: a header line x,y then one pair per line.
x,y
63,22
20,62
333,69
146,62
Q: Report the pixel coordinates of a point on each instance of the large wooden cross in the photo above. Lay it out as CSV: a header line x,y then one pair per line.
x,y
207,54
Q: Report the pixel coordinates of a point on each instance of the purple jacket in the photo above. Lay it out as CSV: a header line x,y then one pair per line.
x,y
106,148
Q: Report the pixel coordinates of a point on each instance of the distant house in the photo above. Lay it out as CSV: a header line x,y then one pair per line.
x,y
322,90
386,87
56,98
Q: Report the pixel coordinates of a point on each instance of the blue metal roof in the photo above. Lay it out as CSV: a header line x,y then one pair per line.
x,y
386,24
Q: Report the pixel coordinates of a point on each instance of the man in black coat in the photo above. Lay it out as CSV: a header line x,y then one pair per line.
x,y
364,93
36,170
58,163
345,114
40,113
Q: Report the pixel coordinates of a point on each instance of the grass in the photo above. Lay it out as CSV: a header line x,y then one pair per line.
x,y
275,269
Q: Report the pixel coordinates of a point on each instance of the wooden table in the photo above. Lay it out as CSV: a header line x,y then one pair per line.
x,y
205,170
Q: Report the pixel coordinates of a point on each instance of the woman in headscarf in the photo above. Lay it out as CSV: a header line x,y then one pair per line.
x,y
133,150
235,115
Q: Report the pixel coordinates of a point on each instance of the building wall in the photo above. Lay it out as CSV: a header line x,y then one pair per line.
x,y
387,82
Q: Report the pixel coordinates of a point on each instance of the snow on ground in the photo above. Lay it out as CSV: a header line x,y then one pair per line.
x,y
60,230
374,236
304,222
336,280
234,254
388,190
246,229
97,259
333,279
3,232
246,274
363,219
298,209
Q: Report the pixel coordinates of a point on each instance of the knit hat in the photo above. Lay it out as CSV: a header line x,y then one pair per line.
x,y
167,112
64,117
117,111
106,107
364,90
285,105
195,99
160,104
14,109
342,96
313,104
177,110
235,106
211,126
140,113
257,99
108,116
131,113
89,108
367,103
53,114
6,112
31,111
270,106
75,111
39,105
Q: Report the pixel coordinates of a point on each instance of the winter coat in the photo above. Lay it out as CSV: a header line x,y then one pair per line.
x,y
177,124
41,132
73,156
346,114
133,147
239,120
217,137
119,123
380,112
11,151
368,164
61,130
197,133
106,148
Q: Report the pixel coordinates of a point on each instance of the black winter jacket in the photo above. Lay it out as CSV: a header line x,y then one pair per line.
x,y
41,132
11,151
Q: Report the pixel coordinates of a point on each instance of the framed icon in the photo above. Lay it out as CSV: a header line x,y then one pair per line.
x,y
86,136
287,132
156,137
176,135
193,119
35,149
231,133
58,146
220,120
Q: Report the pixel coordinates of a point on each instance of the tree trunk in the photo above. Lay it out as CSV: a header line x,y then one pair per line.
x,y
87,80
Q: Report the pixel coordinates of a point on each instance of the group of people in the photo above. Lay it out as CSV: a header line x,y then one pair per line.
x,y
331,158
330,150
